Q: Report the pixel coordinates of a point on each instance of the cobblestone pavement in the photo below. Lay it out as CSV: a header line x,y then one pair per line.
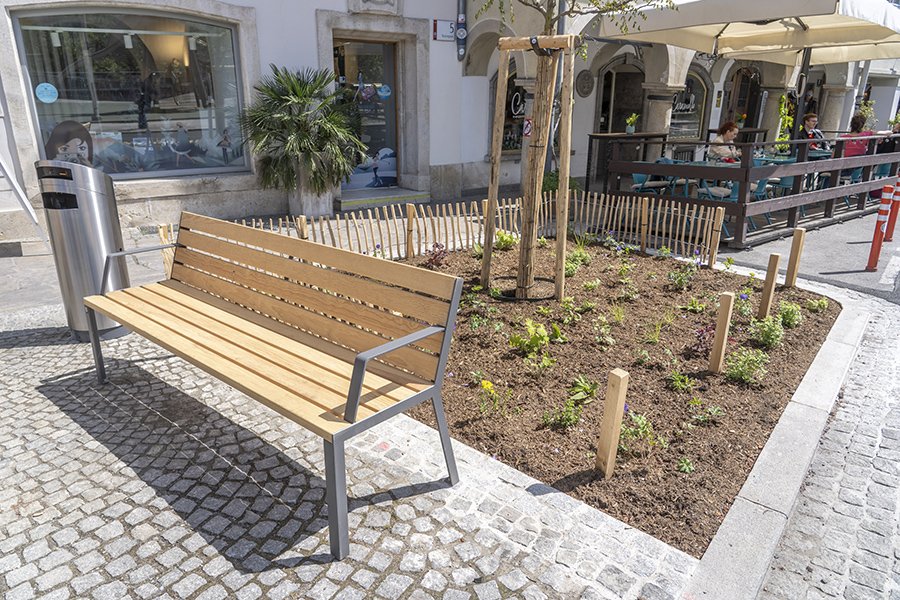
x,y
168,484
841,540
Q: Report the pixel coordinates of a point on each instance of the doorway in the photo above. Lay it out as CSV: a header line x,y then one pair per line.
x,y
367,70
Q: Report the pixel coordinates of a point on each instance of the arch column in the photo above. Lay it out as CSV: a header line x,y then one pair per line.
x,y
658,111
771,117
834,104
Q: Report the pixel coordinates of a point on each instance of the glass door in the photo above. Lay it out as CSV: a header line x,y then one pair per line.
x,y
367,70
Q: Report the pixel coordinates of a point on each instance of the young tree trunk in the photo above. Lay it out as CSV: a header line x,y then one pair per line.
x,y
540,135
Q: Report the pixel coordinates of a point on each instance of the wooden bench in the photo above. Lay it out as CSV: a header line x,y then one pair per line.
x,y
335,341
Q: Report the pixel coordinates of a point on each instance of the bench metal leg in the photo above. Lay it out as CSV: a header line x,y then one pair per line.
x,y
95,345
441,419
336,497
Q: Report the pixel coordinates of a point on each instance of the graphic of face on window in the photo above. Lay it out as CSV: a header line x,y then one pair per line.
x,y
70,142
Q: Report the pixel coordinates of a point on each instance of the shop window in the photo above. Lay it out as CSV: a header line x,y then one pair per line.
x,y
687,110
134,94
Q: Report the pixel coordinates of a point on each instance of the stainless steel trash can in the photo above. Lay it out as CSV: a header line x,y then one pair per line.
x,y
83,225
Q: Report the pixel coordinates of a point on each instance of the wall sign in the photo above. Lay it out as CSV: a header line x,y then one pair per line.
x,y
443,31
526,131
584,83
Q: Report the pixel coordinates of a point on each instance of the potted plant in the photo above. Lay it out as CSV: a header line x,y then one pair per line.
x,y
739,119
306,139
630,122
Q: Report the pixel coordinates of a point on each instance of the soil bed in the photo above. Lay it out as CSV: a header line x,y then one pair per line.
x,y
719,427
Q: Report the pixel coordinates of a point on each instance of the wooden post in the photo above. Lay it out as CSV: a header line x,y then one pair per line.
x,y
410,219
534,172
790,280
611,427
645,212
496,151
565,158
769,289
723,323
716,235
302,228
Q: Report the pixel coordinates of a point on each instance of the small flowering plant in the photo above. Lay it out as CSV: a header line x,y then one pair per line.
x,y
632,120
740,118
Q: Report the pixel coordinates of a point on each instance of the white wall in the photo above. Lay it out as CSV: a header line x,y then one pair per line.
x,y
447,97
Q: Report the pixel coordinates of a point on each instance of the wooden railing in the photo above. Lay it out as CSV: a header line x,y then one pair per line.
x,y
745,173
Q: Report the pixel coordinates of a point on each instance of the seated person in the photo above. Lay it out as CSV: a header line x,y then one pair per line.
x,y
857,147
727,132
810,132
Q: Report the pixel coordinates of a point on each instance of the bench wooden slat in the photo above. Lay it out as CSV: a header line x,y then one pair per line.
x,y
427,282
408,358
337,361
379,320
241,314
286,357
292,405
316,391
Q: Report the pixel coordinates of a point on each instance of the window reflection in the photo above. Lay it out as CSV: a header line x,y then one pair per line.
x,y
133,94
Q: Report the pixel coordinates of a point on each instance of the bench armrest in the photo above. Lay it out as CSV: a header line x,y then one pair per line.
x,y
362,361
126,253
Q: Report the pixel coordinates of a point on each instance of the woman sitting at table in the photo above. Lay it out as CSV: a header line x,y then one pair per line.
x,y
727,132
857,147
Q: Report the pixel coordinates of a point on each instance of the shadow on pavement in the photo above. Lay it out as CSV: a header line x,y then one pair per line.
x,y
257,506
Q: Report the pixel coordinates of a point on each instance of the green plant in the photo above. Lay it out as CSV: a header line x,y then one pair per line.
x,y
570,268
768,333
570,315
694,306
557,336
640,431
490,400
680,382
561,418
682,279
790,314
538,367
786,124
477,321
495,292
504,241
651,333
746,365
591,285
641,356
477,376
544,311
685,465
664,252
477,250
631,121
531,344
296,124
542,242
586,306
710,415
820,305
729,263
742,305
867,109
628,292
617,312
583,390
602,333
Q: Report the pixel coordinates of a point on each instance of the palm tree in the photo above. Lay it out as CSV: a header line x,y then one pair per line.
x,y
304,136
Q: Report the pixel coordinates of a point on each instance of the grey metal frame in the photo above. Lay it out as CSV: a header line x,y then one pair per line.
x,y
335,460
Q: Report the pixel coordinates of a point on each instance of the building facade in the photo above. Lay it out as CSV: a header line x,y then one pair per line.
x,y
149,91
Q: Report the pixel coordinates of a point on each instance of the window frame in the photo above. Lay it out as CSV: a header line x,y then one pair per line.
x,y
16,17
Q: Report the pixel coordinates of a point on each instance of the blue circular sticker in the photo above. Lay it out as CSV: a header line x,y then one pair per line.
x,y
384,91
46,93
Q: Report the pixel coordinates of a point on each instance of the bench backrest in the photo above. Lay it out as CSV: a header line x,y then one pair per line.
x,y
354,300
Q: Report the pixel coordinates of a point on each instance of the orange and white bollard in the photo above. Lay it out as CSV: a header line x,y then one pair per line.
x,y
895,208
884,212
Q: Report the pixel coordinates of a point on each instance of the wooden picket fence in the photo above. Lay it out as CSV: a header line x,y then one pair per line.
x,y
400,231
